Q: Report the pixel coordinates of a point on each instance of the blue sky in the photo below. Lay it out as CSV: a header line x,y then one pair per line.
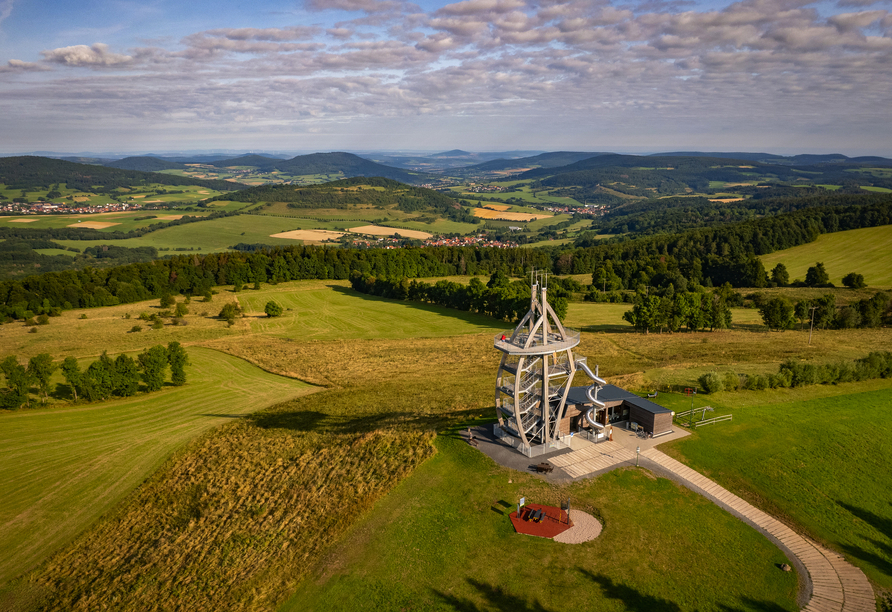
x,y
769,75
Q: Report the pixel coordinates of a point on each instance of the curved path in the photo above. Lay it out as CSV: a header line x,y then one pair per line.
x,y
837,586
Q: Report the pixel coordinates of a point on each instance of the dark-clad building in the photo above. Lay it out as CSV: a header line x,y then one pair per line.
x,y
622,409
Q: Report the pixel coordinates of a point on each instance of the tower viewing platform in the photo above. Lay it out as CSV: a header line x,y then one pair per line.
x,y
540,344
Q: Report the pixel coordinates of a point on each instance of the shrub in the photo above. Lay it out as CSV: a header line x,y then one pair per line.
x,y
33,330
854,281
83,316
711,382
731,381
272,309
43,319
135,329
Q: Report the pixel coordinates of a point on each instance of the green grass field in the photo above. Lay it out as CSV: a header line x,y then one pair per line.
x,y
330,310
821,462
65,467
207,236
143,193
442,541
117,222
867,251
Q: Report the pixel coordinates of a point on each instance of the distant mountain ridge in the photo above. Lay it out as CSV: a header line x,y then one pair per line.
x,y
323,163
802,159
30,172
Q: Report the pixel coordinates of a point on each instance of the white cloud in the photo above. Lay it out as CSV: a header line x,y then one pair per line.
x,y
96,55
15,65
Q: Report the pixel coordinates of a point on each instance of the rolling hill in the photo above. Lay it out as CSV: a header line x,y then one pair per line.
x,y
30,172
322,163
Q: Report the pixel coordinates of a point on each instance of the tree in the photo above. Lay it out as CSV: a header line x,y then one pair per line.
x,y
177,358
71,370
153,362
272,309
101,378
127,379
18,383
854,281
230,312
167,300
817,276
41,368
181,310
780,276
777,313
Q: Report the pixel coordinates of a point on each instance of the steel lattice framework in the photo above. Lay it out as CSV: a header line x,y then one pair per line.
x,y
536,370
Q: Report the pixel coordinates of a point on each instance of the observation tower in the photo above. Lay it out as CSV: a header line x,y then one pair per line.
x,y
535,373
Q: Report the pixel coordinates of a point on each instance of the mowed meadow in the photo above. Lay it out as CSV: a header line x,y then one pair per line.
x,y
245,510
866,251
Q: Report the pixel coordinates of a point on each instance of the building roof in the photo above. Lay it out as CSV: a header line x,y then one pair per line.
x,y
612,393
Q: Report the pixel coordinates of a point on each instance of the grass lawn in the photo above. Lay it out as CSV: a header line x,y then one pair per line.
x,y
65,467
442,541
821,462
867,251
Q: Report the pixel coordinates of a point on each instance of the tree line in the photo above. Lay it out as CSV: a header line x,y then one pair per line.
x,y
780,313
708,257
500,298
103,379
877,364
694,310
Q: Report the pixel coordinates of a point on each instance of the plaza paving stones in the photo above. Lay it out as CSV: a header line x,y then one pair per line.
x,y
592,458
837,586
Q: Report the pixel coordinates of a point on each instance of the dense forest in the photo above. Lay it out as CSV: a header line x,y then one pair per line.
x,y
673,215
38,173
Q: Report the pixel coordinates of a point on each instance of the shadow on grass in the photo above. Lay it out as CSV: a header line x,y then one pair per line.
x,y
882,561
500,506
495,599
314,421
748,604
484,322
633,600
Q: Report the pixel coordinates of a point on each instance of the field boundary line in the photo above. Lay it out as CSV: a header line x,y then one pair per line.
x,y
835,584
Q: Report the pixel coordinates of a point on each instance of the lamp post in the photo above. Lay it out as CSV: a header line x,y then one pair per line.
x,y
637,453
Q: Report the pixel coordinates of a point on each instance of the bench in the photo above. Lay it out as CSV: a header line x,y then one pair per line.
x,y
544,467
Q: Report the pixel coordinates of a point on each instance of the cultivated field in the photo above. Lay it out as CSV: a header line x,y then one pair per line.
x,y
65,467
378,230
487,213
867,251
309,236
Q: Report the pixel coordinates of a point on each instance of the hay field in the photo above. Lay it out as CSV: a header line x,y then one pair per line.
x,y
94,224
485,213
867,251
313,236
378,230
71,465
498,207
20,220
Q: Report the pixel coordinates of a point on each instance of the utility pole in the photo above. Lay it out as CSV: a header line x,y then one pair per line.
x,y
812,326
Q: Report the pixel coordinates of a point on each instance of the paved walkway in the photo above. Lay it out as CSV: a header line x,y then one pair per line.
x,y
837,586
592,458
